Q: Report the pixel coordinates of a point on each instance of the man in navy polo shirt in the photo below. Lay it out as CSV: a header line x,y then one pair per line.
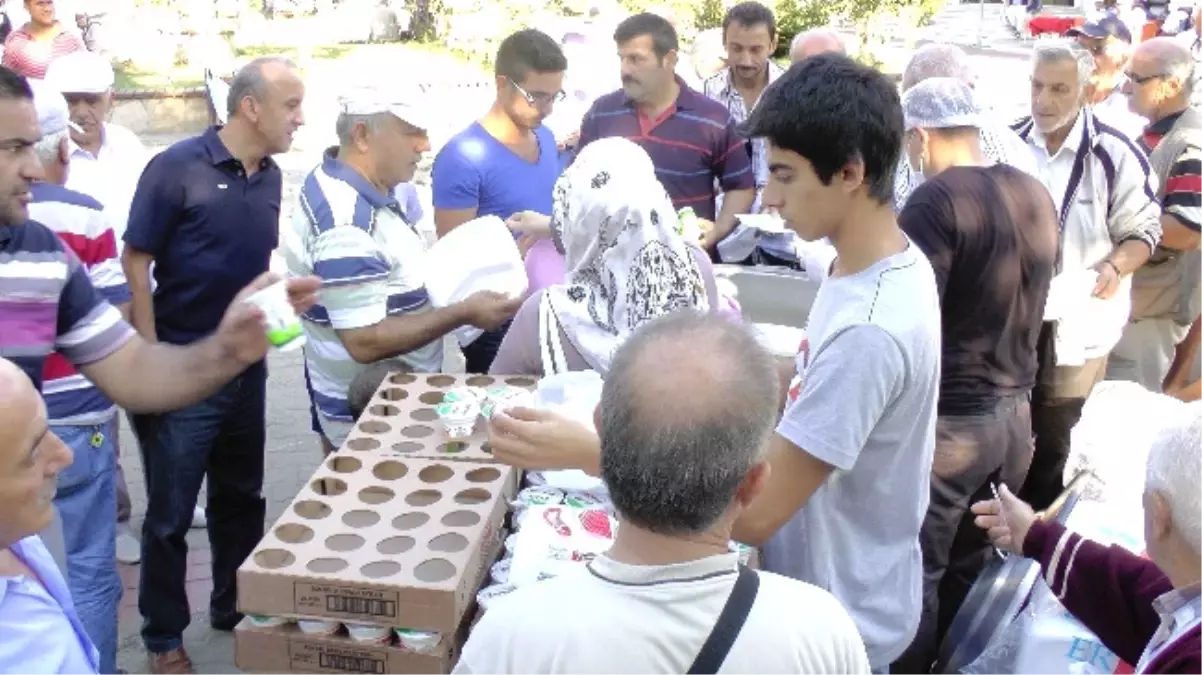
x,y
206,213
48,304
508,161
691,138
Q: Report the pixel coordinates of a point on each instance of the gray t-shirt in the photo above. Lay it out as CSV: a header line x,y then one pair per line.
x,y
864,401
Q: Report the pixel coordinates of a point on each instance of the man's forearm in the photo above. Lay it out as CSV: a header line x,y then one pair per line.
x,y
168,377
1130,256
397,335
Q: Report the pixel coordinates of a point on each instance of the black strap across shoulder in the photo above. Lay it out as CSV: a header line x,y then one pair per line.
x,y
729,625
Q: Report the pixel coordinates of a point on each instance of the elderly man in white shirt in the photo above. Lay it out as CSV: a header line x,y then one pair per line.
x,y
106,159
1109,224
999,143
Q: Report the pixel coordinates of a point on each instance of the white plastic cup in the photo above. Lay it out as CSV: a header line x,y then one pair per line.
x,y
318,627
284,330
365,633
262,621
417,640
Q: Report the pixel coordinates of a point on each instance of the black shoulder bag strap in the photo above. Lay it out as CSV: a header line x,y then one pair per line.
x,y
730,623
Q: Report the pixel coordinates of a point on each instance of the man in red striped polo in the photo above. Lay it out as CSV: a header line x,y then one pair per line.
x,y
691,138
28,50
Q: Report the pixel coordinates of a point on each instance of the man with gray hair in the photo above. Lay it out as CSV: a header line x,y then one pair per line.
x,y
206,213
1109,223
999,143
815,41
349,229
78,412
1165,293
1145,610
680,468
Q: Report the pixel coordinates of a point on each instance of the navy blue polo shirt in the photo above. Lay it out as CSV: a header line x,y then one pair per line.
x,y
210,229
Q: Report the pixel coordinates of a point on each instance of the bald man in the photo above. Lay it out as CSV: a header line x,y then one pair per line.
x,y
815,41
1165,293
42,633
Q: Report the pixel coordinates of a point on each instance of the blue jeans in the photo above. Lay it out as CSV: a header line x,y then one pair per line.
x,y
87,502
222,437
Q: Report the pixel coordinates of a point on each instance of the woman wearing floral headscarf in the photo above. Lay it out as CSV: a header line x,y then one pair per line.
x,y
626,265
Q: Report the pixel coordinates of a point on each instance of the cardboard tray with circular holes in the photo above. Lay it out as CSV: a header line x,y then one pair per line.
x,y
381,540
401,418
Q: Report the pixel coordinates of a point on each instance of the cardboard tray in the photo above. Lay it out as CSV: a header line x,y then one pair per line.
x,y
381,540
401,419
285,649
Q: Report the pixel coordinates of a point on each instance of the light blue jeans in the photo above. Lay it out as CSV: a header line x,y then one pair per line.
x,y
87,502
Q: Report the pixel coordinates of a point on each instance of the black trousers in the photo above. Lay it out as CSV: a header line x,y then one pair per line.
x,y
1056,405
971,454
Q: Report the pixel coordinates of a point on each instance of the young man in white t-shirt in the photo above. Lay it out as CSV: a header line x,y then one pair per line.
x,y
851,457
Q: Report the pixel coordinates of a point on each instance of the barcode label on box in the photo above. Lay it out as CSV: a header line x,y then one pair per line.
x,y
328,659
344,602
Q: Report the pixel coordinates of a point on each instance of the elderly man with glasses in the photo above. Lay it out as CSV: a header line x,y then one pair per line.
x,y
1165,293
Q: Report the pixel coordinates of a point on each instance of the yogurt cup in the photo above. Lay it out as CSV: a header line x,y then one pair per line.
x,y
459,394
418,641
318,626
458,417
510,545
284,330
499,572
261,621
504,398
376,635
541,495
743,550
535,478
490,593
583,500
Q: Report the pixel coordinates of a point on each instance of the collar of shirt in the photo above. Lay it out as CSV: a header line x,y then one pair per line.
x,y
1071,142
76,651
339,170
1180,610
107,145
1157,130
219,154
606,568
721,86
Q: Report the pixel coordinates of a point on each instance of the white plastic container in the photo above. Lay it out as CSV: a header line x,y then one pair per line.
x,y
376,635
284,330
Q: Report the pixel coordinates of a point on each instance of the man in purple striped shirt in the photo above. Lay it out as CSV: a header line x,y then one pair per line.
x,y
692,139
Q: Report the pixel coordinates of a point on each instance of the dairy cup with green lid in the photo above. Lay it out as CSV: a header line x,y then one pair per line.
x,y
284,330
458,417
417,641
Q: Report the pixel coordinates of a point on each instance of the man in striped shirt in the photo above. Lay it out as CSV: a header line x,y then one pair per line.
x,y
691,139
350,230
29,49
79,413
48,303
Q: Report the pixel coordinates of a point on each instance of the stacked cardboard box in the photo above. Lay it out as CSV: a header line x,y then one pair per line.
x,y
397,529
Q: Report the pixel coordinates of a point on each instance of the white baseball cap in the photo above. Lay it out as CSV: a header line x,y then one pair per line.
x,y
81,72
53,114
410,102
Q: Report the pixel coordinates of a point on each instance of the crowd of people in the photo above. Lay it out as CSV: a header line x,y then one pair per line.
x,y
986,275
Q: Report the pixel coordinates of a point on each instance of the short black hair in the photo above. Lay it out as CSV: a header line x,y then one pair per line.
x,y
663,35
529,51
13,86
748,14
832,110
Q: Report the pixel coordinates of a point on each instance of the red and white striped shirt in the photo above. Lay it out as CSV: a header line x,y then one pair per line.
x,y
80,223
29,57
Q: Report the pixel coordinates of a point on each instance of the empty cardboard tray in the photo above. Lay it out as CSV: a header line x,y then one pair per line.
x,y
381,540
401,418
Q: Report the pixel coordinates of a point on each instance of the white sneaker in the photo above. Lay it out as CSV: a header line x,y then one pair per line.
x,y
129,549
198,518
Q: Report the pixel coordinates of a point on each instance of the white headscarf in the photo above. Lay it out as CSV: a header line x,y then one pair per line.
x,y
626,264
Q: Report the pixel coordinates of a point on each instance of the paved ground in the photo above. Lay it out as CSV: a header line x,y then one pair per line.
x,y
292,453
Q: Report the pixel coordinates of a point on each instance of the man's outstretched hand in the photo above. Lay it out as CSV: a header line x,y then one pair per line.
x,y
242,334
1006,519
